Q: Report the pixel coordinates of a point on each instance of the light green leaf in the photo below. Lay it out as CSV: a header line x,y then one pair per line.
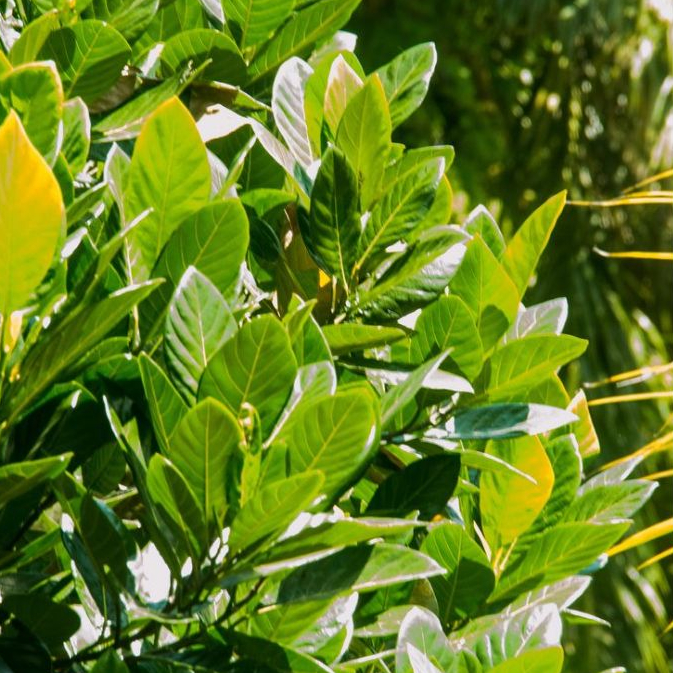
x,y
255,20
257,367
520,364
196,46
334,220
584,428
406,80
342,84
547,660
335,435
287,103
77,134
508,503
34,91
166,406
199,321
214,240
480,222
525,249
109,662
400,209
205,448
549,317
169,173
347,337
422,630
364,137
28,45
19,478
448,324
174,499
563,550
90,56
469,579
363,568
604,504
505,421
31,216
488,292
305,28
129,17
272,508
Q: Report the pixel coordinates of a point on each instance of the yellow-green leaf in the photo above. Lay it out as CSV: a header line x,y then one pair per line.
x,y
31,216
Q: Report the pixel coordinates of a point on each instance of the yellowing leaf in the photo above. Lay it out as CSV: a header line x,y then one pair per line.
x,y
31,216
644,536
509,503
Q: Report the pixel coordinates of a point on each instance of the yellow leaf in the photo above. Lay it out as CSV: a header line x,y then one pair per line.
x,y
510,503
584,428
642,537
656,558
31,216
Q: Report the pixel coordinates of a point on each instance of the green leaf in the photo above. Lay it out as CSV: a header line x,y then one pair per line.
x,y
273,508
347,337
506,421
363,568
447,324
561,551
66,342
287,104
167,408
28,45
480,222
425,485
305,27
364,137
398,396
169,173
416,277
256,20
199,321
77,132
34,91
481,282
525,249
520,364
53,622
129,17
469,579
421,630
341,85
205,448
549,317
508,503
336,435
401,208
604,504
406,80
109,662
174,499
31,216
214,240
334,220
257,367
19,478
90,56
548,660
196,46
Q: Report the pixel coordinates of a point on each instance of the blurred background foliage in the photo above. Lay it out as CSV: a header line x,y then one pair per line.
x,y
538,96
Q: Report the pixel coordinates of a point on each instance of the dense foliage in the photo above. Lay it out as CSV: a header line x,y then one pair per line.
x,y
262,407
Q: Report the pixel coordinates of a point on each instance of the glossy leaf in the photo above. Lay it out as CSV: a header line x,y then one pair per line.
x,y
199,321
548,317
422,630
19,478
31,216
406,80
169,173
347,337
257,367
547,660
256,20
469,579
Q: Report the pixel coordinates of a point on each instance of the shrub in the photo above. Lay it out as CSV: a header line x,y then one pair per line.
x,y
262,408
